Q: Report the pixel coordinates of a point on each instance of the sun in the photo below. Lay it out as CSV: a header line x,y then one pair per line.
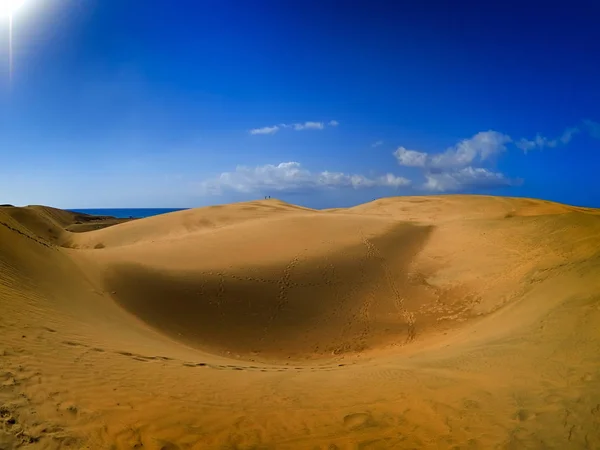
x,y
9,7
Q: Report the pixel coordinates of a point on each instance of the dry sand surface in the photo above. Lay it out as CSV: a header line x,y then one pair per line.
x,y
412,322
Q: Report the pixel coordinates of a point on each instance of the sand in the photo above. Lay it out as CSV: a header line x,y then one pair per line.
x,y
409,322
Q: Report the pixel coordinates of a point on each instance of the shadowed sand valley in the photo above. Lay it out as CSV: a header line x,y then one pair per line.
x,y
408,322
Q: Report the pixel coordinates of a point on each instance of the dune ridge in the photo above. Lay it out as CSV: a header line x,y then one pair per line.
x,y
431,322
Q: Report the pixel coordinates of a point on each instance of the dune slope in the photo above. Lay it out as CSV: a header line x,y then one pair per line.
x,y
430,322
271,294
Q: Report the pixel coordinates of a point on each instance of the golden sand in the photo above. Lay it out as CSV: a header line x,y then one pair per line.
x,y
409,322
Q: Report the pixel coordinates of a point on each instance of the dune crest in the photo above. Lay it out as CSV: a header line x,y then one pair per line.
x,y
433,322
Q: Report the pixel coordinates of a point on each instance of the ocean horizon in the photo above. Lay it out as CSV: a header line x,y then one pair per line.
x,y
125,213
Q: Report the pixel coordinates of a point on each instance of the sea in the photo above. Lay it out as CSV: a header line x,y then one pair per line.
x,y
126,213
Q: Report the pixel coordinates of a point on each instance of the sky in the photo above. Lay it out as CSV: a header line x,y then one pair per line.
x,y
321,103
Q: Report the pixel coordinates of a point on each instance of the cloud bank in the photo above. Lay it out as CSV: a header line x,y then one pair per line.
x,y
465,165
453,170
480,147
291,176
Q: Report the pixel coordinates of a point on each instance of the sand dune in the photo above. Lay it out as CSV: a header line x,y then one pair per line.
x,y
409,322
183,223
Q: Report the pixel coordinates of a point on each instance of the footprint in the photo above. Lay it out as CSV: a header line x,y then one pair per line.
x,y
355,421
195,364
74,344
10,421
522,415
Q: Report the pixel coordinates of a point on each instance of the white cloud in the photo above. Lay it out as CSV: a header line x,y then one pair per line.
x,y
377,144
467,177
309,126
392,180
265,130
481,146
410,158
525,144
568,134
453,170
291,176
540,142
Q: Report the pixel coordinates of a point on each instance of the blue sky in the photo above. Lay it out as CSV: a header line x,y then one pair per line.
x,y
322,103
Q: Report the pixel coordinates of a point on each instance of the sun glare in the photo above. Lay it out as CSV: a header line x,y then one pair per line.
x,y
9,7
